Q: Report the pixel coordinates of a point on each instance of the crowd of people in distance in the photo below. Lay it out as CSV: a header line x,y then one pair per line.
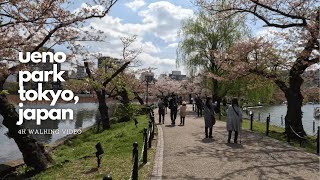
x,y
175,104
206,110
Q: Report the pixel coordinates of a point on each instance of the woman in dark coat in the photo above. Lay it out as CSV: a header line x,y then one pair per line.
x,y
199,105
208,115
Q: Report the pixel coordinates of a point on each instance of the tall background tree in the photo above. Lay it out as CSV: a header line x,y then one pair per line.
x,y
296,26
203,35
27,26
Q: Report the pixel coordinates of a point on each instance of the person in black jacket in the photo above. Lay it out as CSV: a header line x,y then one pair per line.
x,y
166,103
199,105
161,110
173,106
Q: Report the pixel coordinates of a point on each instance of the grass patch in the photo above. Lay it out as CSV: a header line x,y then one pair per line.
x,y
310,145
76,158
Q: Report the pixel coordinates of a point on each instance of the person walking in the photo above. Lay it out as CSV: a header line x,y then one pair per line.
x,y
173,106
209,119
161,110
183,113
166,103
234,119
199,105
193,104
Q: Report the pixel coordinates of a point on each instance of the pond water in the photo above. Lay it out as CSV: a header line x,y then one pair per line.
x,y
276,111
85,115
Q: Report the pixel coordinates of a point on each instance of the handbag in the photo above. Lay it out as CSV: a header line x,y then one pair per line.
x,y
237,113
213,118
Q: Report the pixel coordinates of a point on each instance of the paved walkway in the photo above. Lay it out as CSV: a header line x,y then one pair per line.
x,y
188,155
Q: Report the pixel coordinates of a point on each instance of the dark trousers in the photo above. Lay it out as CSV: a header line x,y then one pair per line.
x,y
161,116
173,115
235,136
210,132
193,107
182,120
199,112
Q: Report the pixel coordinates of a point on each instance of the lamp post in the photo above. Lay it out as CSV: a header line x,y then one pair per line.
x,y
251,119
148,79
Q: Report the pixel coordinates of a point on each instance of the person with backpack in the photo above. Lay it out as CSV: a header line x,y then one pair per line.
x,y
161,110
234,119
173,106
209,119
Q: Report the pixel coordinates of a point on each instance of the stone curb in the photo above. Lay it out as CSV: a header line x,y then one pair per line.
x,y
158,160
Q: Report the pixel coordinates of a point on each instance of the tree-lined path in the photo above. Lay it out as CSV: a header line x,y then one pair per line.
x,y
188,155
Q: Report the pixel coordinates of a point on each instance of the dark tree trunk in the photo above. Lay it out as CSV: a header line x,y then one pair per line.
x,y
294,102
103,109
34,154
139,98
124,95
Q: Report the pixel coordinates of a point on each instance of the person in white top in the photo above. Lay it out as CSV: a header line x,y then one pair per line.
x,y
183,113
234,119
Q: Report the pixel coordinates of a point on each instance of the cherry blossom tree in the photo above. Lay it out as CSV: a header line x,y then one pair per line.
x,y
102,79
133,85
296,46
194,86
27,26
166,86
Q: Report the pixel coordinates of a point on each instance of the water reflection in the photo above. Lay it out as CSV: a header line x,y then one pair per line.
x,y
84,116
276,111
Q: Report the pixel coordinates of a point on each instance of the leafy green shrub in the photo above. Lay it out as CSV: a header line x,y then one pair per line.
x,y
126,113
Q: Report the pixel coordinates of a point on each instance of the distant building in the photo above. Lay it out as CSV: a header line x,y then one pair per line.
x,y
176,75
146,74
72,74
81,72
163,76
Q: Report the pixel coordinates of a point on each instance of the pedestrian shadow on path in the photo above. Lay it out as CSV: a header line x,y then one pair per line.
x,y
207,140
169,126
234,145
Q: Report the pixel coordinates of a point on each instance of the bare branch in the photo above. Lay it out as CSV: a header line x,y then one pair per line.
x,y
278,11
122,68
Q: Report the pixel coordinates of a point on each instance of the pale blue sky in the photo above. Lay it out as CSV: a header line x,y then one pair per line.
x,y
156,23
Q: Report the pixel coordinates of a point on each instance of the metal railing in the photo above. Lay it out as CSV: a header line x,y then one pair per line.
x,y
299,135
147,143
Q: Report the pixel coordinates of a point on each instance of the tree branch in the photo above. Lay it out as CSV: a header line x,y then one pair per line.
x,y
278,11
88,71
281,84
122,68
64,24
268,23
